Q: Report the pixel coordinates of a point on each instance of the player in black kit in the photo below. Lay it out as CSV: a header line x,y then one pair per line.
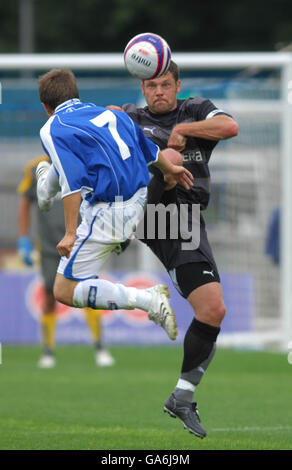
x,y
193,127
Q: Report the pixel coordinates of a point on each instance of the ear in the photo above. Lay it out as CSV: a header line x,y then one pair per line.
x,y
49,111
142,88
178,86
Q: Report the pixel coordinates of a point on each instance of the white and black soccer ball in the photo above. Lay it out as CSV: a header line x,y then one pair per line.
x,y
147,56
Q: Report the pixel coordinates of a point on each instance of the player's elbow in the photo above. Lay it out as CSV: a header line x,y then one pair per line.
x,y
230,129
234,129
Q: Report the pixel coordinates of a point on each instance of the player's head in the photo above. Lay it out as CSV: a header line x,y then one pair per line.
x,y
57,86
160,93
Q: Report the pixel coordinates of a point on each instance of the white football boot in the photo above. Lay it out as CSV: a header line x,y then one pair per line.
x,y
160,312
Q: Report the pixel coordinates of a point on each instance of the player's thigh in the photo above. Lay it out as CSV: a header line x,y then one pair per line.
x,y
64,289
104,226
190,276
93,245
199,283
208,304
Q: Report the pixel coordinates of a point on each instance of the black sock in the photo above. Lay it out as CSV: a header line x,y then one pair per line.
x,y
198,344
199,349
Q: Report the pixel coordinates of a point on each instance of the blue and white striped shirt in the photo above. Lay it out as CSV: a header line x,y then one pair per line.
x,y
97,150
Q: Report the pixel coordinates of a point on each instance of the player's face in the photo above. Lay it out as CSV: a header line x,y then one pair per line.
x,y
160,93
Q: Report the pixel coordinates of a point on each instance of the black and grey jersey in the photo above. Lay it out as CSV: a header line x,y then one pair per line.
x,y
197,153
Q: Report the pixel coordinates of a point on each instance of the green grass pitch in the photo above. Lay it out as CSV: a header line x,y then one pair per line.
x,y
244,401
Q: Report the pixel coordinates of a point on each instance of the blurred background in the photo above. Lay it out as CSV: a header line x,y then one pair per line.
x,y
246,171
106,26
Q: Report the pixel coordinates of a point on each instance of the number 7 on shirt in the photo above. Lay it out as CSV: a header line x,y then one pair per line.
x,y
108,117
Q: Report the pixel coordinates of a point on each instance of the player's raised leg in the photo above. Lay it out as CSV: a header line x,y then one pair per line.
x,y
103,294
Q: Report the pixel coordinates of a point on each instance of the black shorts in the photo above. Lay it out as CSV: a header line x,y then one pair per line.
x,y
190,276
171,253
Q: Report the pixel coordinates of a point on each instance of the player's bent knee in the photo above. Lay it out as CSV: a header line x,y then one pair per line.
x,y
212,314
220,311
216,313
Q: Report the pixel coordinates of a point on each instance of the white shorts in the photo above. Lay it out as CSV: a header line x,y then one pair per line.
x,y
103,227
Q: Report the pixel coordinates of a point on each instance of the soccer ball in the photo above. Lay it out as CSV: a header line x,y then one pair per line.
x,y
147,56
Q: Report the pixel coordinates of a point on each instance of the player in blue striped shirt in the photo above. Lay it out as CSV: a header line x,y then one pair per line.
x,y
100,162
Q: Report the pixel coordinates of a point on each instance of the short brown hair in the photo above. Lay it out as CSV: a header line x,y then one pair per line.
x,y
173,69
57,86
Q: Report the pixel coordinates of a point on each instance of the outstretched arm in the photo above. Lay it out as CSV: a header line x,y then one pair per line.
x,y
216,128
114,107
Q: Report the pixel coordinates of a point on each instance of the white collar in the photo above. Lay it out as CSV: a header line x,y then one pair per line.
x,y
66,104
